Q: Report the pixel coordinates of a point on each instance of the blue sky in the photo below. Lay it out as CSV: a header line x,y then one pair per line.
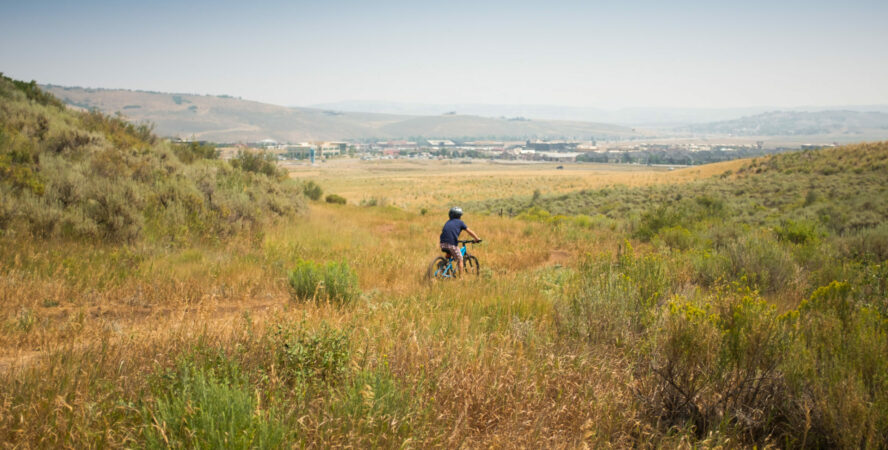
x,y
592,54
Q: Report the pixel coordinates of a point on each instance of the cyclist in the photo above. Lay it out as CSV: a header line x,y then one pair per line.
x,y
450,235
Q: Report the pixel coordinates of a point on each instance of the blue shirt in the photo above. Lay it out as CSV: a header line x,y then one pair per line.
x,y
451,231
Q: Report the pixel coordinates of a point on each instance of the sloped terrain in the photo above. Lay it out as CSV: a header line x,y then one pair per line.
x,y
228,119
799,123
84,175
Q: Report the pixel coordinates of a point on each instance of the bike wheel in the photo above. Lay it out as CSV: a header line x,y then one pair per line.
x,y
437,269
471,265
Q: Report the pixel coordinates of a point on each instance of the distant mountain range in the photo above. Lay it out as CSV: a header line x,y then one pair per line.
x,y
634,117
795,123
228,119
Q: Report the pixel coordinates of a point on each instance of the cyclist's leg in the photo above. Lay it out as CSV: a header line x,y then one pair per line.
x,y
455,256
458,257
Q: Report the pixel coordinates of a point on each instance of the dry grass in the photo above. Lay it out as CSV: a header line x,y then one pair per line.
x,y
416,184
86,329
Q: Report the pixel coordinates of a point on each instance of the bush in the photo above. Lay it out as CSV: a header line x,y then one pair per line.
x,y
677,237
755,259
615,301
318,356
800,232
198,408
375,201
715,362
312,190
870,244
335,282
376,405
652,221
258,162
838,370
335,199
192,151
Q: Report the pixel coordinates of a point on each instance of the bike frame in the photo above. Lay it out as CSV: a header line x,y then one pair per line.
x,y
449,269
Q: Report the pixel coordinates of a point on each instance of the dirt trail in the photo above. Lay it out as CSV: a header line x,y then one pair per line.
x,y
559,258
132,320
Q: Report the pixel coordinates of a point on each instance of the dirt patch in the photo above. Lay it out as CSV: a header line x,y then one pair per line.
x,y
385,229
21,360
559,258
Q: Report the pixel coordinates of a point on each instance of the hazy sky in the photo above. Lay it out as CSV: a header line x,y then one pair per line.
x,y
598,54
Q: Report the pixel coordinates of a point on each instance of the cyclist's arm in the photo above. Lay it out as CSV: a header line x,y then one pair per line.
x,y
472,233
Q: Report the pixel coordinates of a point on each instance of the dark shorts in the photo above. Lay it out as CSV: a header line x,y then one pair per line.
x,y
452,250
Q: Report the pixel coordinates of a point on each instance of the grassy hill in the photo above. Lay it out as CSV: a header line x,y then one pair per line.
x,y
858,124
84,175
227,119
840,190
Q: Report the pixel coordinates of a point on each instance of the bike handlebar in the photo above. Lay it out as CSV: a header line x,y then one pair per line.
x,y
471,241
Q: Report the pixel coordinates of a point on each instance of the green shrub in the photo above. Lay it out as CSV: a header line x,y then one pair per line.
x,y
335,199
33,92
198,408
653,220
335,282
714,362
797,232
375,201
312,356
838,370
677,237
192,151
258,162
312,190
378,407
755,259
615,301
870,244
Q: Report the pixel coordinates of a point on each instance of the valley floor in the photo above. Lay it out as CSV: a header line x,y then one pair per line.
x,y
150,345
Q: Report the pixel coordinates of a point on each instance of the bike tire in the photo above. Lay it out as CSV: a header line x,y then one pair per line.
x,y
436,269
472,266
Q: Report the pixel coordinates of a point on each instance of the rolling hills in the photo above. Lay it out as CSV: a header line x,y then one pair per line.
x,y
229,119
799,123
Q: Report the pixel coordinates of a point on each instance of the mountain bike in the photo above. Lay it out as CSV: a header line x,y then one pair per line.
x,y
447,267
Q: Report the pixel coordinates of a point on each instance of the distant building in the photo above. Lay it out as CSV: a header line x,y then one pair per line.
x,y
485,145
297,151
333,148
267,143
558,156
397,145
440,143
551,145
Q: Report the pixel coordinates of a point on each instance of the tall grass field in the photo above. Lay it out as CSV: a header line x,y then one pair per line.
x,y
152,295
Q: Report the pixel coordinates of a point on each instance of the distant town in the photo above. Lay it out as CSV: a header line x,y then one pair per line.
x,y
566,151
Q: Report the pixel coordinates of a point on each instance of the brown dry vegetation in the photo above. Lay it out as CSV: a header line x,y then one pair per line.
x,y
476,355
417,184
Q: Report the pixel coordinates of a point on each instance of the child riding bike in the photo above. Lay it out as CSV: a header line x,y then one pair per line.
x,y
450,235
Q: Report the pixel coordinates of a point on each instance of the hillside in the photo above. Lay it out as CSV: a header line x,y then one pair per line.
x,y
228,119
840,190
87,176
796,123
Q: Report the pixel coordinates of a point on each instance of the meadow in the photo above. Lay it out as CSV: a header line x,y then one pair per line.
x,y
675,318
415,184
